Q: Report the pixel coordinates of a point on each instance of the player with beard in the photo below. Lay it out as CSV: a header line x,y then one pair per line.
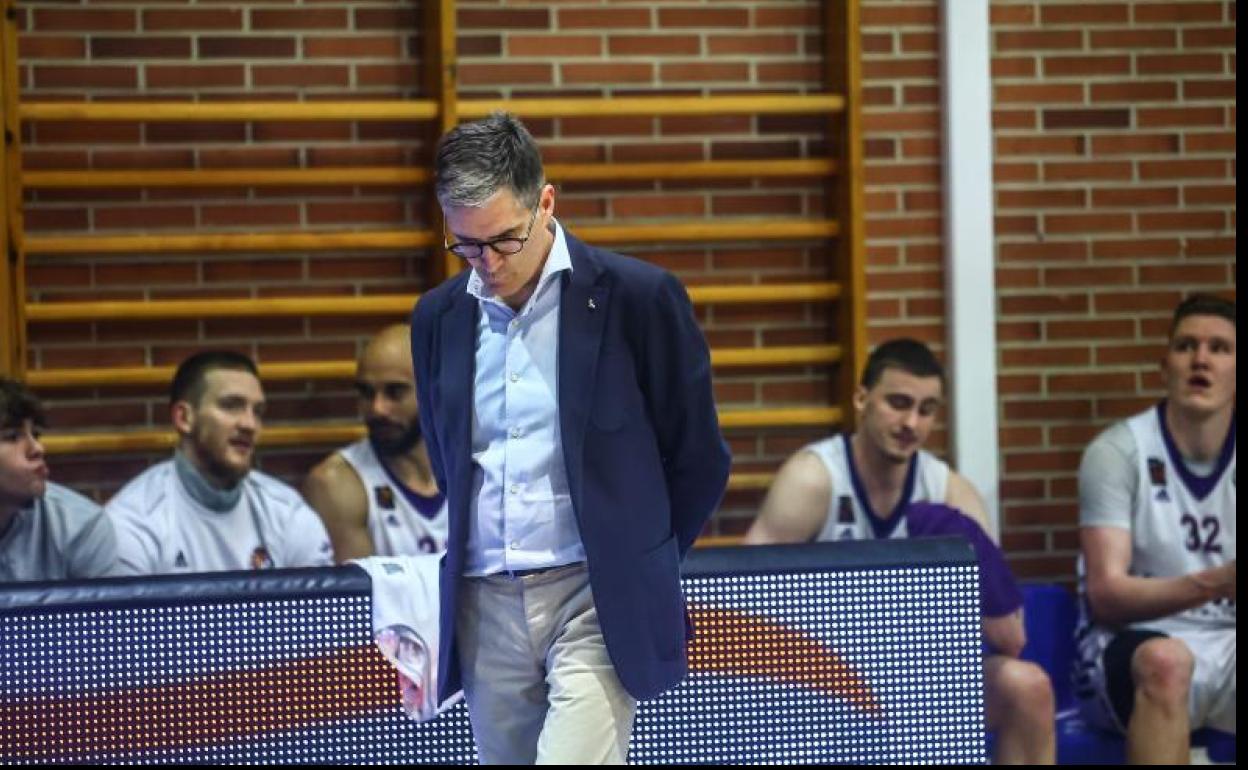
x,y
47,532
880,483
378,495
205,509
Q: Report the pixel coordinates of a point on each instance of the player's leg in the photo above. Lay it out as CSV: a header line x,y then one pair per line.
x,y
1157,719
1018,701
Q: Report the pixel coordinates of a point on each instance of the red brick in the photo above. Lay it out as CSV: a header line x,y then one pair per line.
x,y
348,212
1038,40
1084,13
1121,408
1013,67
897,14
1045,356
250,215
1133,38
1209,37
1086,276
302,75
1130,197
1134,143
1055,171
1209,142
1086,118
599,19
1209,89
1059,66
1038,93
187,19
95,76
303,18
1135,301
1132,248
1209,246
542,45
505,74
1177,13
1048,250
756,44
509,18
249,47
83,20
1012,15
145,217
374,47
1087,223
1180,116
694,71
1113,355
1183,169
898,68
1091,382
1043,304
703,17
1185,275
1088,329
1182,220
195,76
1041,198
1135,91
32,48
1209,195
1047,409
1170,64
146,47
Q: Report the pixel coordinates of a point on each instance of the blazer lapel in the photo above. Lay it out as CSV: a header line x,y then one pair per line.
x,y
458,352
582,320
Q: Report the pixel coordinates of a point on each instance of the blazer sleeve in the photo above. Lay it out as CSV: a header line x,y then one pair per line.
x,y
676,377
424,369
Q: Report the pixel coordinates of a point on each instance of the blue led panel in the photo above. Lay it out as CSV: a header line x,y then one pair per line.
x,y
866,652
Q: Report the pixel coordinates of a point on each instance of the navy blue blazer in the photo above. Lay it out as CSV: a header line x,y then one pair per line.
x,y
646,463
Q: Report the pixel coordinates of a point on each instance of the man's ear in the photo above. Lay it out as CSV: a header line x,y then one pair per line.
x,y
860,398
182,415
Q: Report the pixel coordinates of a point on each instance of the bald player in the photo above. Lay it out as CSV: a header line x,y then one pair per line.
x,y
378,495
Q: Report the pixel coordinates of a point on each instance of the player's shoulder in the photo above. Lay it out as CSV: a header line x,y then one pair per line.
x,y
138,496
274,490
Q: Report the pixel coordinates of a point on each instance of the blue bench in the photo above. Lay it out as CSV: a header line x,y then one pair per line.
x,y
1049,616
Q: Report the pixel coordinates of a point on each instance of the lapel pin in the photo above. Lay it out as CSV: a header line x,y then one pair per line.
x,y
592,305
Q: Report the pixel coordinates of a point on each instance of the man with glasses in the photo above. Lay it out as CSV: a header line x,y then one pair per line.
x,y
566,398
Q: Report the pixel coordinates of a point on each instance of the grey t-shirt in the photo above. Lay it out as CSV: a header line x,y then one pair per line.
x,y
59,536
1109,478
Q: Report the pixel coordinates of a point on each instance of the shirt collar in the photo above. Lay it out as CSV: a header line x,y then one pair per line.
x,y
558,260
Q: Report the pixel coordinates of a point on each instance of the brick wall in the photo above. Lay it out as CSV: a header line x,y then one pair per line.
x,y
1115,173
1115,188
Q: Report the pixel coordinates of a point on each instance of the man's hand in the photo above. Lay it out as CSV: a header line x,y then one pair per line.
x,y
1219,581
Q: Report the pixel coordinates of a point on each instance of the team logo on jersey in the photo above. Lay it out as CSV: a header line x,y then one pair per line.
x,y
845,513
1157,471
384,497
260,558
392,520
180,560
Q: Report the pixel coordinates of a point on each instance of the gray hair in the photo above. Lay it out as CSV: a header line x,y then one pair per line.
x,y
475,160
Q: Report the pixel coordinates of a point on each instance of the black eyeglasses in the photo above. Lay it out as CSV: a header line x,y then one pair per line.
x,y
502,246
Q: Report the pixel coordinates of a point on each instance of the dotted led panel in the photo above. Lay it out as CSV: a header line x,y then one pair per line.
x,y
850,663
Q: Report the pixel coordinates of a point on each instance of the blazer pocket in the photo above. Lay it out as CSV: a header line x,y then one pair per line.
x,y
660,576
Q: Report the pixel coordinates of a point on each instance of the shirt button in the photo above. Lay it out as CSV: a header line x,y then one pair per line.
x,y
515,489
516,432
515,376
515,546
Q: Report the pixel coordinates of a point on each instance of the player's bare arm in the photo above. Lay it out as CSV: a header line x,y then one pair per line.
x,y
334,491
962,495
1117,597
796,504
1006,633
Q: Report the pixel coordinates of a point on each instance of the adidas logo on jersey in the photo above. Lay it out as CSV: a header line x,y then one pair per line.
x,y
180,560
392,520
1162,495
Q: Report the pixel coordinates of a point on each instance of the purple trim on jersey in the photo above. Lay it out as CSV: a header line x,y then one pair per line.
x,y
1199,486
883,528
998,593
427,507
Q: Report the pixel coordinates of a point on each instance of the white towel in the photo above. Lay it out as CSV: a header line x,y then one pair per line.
x,y
405,627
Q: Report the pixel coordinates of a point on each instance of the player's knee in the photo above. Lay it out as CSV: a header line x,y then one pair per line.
x,y
1026,690
1162,668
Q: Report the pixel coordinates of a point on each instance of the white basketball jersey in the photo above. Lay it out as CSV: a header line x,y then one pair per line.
x,y
396,524
1180,522
850,516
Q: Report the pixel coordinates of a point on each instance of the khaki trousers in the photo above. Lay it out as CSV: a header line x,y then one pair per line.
x,y
539,685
